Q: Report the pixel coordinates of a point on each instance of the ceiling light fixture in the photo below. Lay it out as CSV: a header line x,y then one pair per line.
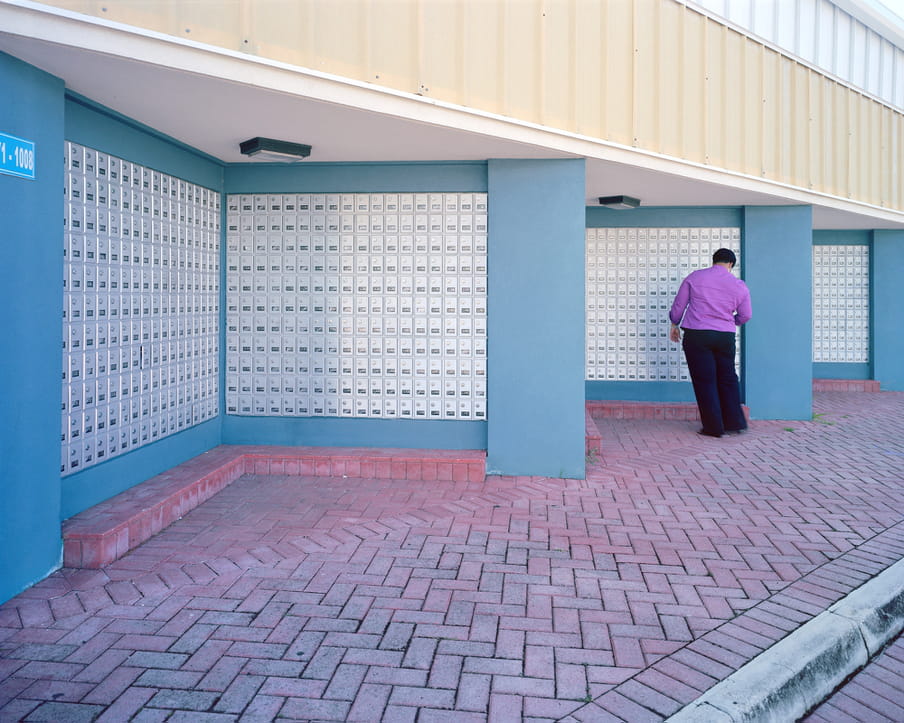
x,y
619,201
273,150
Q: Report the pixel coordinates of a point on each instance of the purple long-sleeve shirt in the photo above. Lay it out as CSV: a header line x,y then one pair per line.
x,y
713,299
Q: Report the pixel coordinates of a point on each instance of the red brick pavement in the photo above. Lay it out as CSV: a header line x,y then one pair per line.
x,y
618,597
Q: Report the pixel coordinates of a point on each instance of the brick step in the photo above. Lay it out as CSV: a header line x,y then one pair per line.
x,y
846,385
104,533
593,441
615,409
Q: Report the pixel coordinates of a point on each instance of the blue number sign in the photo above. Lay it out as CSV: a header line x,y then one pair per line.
x,y
17,156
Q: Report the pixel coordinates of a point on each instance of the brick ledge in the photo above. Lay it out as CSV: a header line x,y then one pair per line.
x,y
846,385
593,440
618,409
105,532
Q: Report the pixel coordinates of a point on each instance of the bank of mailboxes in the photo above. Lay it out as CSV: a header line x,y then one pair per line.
x,y
357,305
841,283
140,307
632,276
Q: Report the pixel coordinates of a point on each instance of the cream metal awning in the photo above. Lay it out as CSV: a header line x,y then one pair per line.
x,y
211,99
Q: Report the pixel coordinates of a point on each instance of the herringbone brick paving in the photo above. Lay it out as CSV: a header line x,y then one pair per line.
x,y
618,597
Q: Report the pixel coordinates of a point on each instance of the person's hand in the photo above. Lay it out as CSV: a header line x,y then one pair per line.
x,y
675,334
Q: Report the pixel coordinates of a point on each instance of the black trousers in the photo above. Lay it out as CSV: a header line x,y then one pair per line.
x,y
710,361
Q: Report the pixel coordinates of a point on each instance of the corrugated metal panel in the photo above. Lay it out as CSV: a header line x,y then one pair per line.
x,y
843,179
825,35
655,74
692,69
754,126
806,30
219,23
647,110
588,67
481,52
786,26
734,120
858,55
816,130
762,22
896,150
441,58
841,62
617,73
521,68
670,120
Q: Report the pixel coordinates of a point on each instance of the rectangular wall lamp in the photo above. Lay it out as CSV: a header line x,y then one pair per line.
x,y
274,150
619,201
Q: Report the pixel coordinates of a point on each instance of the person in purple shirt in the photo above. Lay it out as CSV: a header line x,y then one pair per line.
x,y
711,303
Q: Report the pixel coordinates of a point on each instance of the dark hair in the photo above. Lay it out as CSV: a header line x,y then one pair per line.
x,y
723,256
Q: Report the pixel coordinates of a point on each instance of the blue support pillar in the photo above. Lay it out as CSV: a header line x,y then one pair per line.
x,y
887,338
31,296
778,347
535,325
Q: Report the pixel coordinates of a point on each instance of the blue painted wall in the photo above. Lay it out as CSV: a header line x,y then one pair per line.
x,y
663,217
31,295
370,178
100,482
639,391
105,130
344,432
778,356
843,370
885,304
654,217
305,177
535,324
851,237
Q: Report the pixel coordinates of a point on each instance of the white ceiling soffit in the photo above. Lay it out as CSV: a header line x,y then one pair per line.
x,y
212,99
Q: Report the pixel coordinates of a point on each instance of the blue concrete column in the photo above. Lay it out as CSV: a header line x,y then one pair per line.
x,y
535,325
777,265
885,304
31,296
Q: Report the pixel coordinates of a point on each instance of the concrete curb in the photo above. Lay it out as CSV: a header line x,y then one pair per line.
x,y
800,671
